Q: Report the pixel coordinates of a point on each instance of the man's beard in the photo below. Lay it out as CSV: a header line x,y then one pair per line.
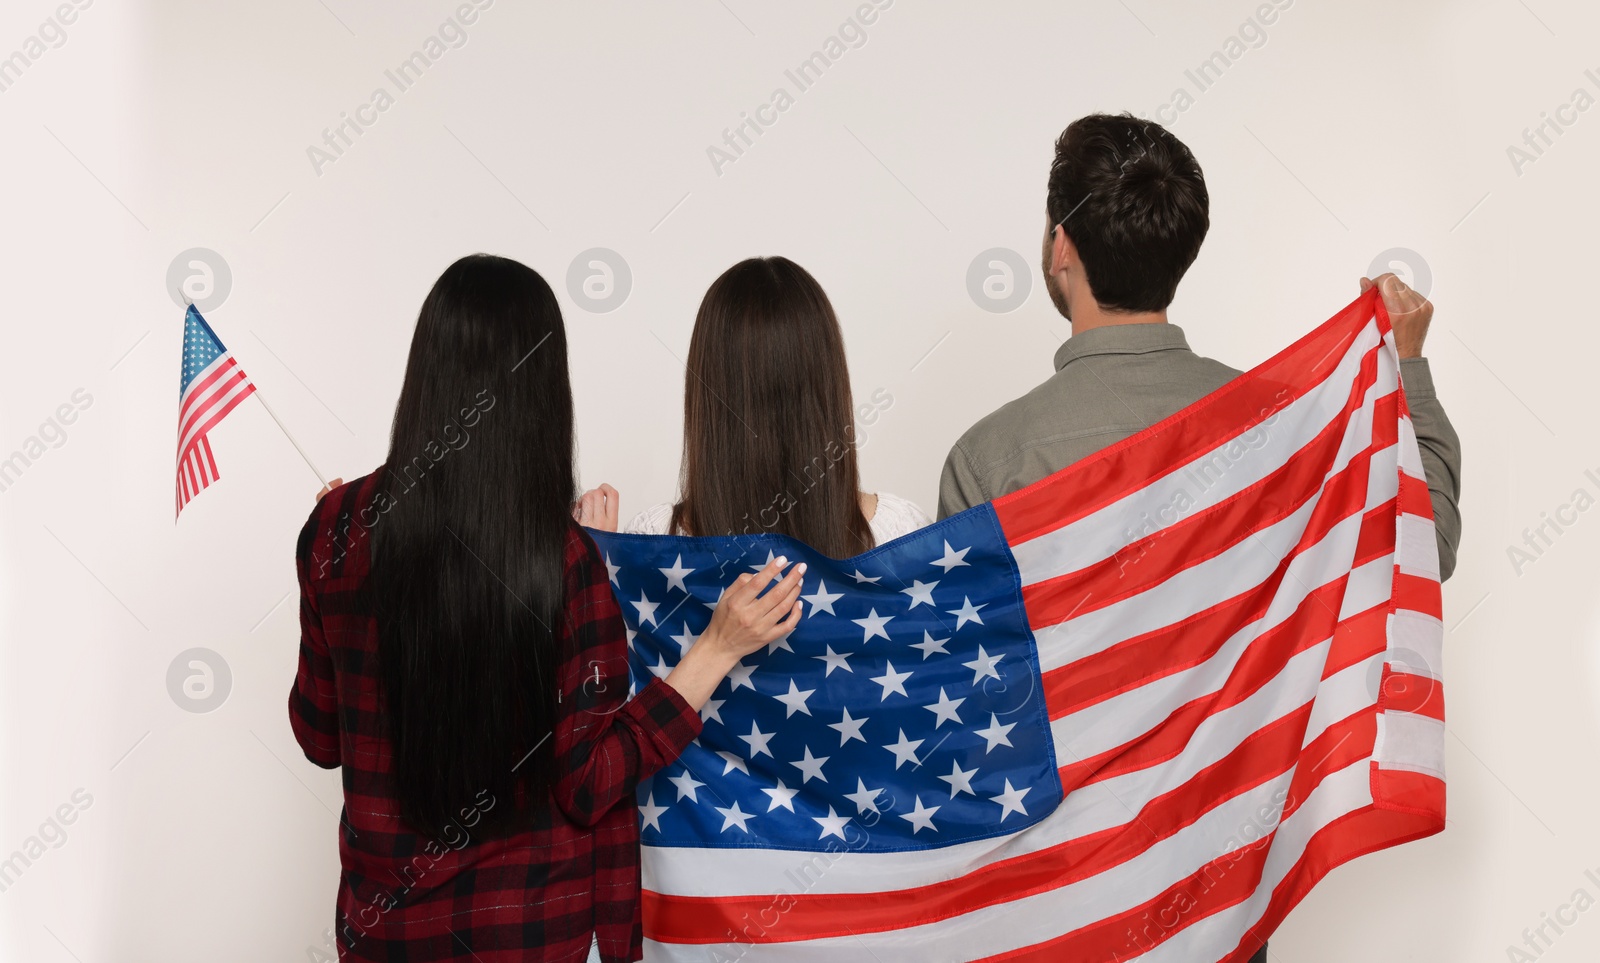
x,y
1057,296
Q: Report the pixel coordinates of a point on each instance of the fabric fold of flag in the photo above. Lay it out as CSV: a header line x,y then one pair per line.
x,y
211,384
1135,711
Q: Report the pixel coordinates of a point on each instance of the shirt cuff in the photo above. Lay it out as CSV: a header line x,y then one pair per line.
x,y
1417,378
663,713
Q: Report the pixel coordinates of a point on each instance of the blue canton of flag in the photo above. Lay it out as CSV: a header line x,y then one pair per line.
x,y
905,712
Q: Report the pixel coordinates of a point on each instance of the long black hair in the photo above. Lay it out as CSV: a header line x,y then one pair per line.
x,y
468,549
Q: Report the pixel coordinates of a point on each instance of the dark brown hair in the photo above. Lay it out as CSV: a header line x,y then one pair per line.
x,y
1134,202
768,430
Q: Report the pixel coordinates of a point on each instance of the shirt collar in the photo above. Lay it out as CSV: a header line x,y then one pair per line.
x,y
1121,339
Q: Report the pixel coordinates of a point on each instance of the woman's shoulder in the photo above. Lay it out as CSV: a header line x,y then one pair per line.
x,y
337,526
655,520
895,517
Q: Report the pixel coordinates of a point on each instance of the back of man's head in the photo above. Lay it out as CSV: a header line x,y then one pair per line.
x,y
1133,200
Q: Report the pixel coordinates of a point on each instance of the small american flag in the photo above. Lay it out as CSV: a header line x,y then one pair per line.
x,y
212,385
1134,711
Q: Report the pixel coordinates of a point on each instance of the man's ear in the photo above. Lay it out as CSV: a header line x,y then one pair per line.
x,y
1063,253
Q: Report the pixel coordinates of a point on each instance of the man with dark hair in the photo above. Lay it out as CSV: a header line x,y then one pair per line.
x,y
1127,211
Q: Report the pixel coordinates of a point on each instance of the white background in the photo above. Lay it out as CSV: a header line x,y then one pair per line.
x,y
161,126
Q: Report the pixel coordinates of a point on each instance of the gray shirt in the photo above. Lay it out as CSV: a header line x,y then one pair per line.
x,y
1114,381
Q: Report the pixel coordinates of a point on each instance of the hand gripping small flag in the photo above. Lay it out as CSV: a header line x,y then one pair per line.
x,y
1132,712
211,385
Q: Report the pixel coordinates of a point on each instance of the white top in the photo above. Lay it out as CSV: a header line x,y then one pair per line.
x,y
894,517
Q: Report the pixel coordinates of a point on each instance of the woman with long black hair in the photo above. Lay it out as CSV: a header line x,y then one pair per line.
x,y
463,658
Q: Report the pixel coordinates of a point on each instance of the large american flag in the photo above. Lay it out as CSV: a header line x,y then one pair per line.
x,y
1134,711
212,384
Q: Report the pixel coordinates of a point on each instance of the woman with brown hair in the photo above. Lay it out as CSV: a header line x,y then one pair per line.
x,y
769,441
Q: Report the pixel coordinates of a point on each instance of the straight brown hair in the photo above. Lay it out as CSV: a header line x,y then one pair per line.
x,y
768,426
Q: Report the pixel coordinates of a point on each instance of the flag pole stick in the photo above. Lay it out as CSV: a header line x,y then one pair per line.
x,y
286,434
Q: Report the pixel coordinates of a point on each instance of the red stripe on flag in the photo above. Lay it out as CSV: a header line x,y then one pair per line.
x,y
1406,692
1377,534
1417,593
1412,792
1358,638
1414,497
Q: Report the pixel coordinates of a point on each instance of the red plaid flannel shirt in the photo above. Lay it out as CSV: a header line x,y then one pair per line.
x,y
536,895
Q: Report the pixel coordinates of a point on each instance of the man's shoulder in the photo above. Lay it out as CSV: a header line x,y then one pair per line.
x,y
1049,406
999,429
1018,422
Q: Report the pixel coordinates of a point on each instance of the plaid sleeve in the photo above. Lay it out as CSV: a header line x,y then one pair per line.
x,y
314,700
606,742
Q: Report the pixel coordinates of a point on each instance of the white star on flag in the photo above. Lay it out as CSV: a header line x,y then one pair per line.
x,y
945,709
770,559
892,681
740,675
758,741
920,817
810,767
687,784
905,750
967,613
651,812
1011,801
929,645
732,816
832,824
952,559
732,762
647,609
795,699
781,796
675,575
872,626
822,600
983,665
834,660
921,592
849,728
996,734
960,780
864,798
